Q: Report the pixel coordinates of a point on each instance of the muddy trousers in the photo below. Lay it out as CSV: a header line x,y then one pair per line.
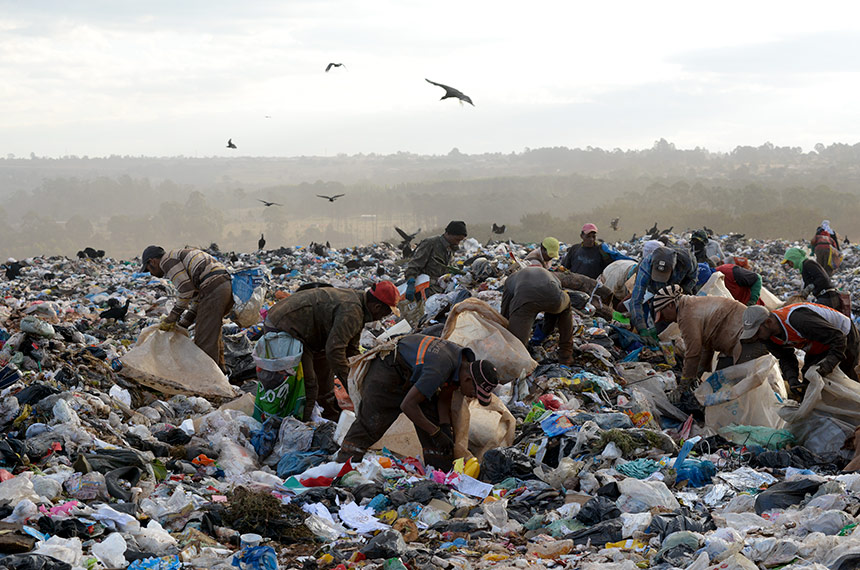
x,y
848,364
522,320
215,302
381,395
319,385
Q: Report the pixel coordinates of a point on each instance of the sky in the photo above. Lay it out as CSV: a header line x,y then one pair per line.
x,y
166,78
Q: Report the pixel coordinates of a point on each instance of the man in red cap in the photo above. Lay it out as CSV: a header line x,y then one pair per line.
x,y
418,378
592,256
328,321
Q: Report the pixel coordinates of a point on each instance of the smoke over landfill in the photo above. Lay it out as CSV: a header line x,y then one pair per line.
x,y
58,206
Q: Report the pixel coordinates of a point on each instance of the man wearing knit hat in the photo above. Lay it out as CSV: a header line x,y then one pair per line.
x,y
328,321
432,257
418,378
708,325
590,257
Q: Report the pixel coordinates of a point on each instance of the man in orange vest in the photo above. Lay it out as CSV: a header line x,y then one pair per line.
x,y
828,337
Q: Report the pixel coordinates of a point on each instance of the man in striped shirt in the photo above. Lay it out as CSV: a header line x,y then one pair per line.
x,y
205,294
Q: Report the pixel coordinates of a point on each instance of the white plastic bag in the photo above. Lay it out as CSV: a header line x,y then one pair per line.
x,y
744,394
828,414
474,324
171,363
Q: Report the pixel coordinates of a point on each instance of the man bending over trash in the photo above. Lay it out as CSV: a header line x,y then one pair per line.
x,y
533,290
328,322
205,294
418,378
708,325
828,337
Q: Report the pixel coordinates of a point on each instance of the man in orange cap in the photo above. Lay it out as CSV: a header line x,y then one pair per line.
x,y
328,321
590,257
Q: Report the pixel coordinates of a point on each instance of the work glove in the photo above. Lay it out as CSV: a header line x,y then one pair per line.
x,y
447,430
685,385
650,338
443,443
410,289
166,325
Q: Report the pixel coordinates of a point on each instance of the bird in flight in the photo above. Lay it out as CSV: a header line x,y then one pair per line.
x,y
614,224
498,229
331,198
269,203
230,143
407,238
329,66
451,92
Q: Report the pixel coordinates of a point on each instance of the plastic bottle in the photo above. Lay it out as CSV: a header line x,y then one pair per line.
x,y
551,549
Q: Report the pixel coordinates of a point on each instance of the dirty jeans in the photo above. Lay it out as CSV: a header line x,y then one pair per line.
x,y
383,391
215,302
522,320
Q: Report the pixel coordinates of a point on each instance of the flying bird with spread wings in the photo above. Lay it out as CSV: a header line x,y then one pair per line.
x,y
614,224
498,229
269,203
331,198
230,144
329,66
451,93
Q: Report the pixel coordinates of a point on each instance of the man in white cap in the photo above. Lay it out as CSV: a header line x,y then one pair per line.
x,y
828,338
591,256
542,256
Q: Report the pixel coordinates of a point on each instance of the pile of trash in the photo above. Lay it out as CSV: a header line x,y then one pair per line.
x,y
116,457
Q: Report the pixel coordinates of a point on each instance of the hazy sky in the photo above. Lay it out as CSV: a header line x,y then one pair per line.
x,y
181,77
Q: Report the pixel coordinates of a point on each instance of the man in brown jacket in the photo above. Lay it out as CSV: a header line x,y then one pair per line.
x,y
708,325
328,322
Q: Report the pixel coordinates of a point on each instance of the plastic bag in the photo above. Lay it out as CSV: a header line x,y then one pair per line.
x,y
111,551
248,296
639,496
830,407
478,428
281,390
256,558
171,363
744,394
474,324
784,494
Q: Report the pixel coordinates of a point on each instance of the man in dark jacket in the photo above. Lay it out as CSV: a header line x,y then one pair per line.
x,y
815,278
828,337
590,257
432,257
418,379
328,322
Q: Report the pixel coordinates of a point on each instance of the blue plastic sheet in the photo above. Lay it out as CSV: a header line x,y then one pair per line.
x,y
295,463
256,558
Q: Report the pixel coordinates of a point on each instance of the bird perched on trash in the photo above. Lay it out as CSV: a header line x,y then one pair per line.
x,y
230,144
845,241
653,231
664,232
13,268
614,224
331,198
115,311
261,243
450,93
269,203
708,230
498,229
406,245
329,66
91,253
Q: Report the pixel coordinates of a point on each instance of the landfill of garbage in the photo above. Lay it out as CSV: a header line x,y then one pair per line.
x,y
106,465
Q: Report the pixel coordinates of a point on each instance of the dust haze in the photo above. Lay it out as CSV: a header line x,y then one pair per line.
x,y
58,206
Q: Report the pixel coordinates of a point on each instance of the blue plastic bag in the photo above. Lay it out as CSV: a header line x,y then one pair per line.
x,y
256,558
264,439
295,463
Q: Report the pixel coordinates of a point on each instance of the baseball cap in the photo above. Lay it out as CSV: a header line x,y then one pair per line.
x,y
588,228
753,318
485,378
386,292
151,252
662,264
551,246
